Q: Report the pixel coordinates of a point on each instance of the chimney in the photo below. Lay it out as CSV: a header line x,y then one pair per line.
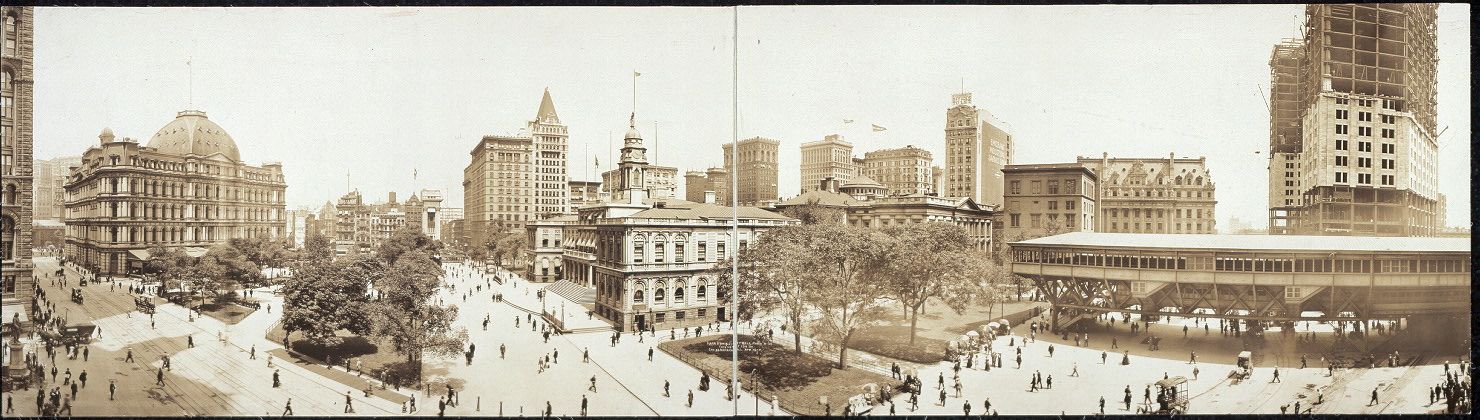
x,y
708,197
392,197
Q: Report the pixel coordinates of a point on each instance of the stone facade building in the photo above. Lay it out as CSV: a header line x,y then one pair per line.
x,y
50,186
904,171
650,258
753,162
188,187
1047,199
16,101
497,190
831,157
1153,195
866,203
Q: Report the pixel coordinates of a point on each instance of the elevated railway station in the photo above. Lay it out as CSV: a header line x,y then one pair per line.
x,y
1421,284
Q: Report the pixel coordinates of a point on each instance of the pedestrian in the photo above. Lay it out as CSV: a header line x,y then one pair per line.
x,y
593,383
1276,375
441,406
1050,350
691,398
288,408
74,390
1050,382
159,377
650,352
83,377
1114,344
501,349
276,380
1102,404
252,354
1184,331
1075,372
1193,358
556,359
966,407
1103,356
112,386
1374,397
586,355
1194,373
665,388
189,339
942,397
583,406
349,406
129,356
84,353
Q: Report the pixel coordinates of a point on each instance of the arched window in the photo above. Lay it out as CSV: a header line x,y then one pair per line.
x,y
678,293
658,292
702,291
637,296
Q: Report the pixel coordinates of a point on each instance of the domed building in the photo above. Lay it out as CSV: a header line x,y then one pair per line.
x,y
186,188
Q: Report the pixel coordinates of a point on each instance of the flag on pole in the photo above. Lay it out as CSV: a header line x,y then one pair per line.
x,y
878,128
847,121
598,160
635,73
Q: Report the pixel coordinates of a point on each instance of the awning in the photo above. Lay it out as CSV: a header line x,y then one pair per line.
x,y
191,251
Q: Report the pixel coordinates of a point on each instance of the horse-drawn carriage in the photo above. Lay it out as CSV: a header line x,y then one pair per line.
x,y
144,304
77,334
1245,366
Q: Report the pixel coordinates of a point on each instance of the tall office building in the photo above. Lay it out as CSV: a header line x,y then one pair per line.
x,y
1367,162
753,162
497,191
831,157
977,148
49,181
1285,109
15,169
549,146
902,171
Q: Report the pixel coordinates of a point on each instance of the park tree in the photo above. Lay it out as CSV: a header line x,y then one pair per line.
x,y
404,311
813,212
845,270
325,296
316,247
932,260
224,269
772,277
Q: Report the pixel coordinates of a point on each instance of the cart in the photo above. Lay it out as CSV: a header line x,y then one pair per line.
x,y
77,296
1245,366
78,334
1171,396
144,304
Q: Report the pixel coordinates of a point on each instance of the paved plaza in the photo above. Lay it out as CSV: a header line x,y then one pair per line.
x,y
220,378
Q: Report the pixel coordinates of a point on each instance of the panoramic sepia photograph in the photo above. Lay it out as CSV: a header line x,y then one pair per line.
x,y
737,211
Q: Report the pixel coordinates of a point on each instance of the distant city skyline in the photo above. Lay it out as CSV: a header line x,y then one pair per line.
x,y
418,92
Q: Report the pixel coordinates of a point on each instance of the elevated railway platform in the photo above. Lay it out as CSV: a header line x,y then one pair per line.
x,y
1420,284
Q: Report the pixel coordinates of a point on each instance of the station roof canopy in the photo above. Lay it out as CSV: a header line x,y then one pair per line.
x,y
1254,242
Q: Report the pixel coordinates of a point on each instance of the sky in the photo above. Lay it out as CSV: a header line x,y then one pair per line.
x,y
363,97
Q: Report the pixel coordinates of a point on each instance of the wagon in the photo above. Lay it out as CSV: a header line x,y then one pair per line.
x,y
78,334
77,296
1171,396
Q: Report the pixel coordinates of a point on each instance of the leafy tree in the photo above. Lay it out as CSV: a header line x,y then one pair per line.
x,y
927,261
404,312
324,297
224,269
845,269
813,212
772,276
316,247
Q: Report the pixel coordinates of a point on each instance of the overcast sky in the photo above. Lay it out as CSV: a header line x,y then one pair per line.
x,y
380,92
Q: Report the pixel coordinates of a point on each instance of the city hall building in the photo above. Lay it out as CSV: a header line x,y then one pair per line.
x,y
188,187
650,257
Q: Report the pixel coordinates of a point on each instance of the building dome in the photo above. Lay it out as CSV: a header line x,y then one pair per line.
x,y
862,181
192,134
632,134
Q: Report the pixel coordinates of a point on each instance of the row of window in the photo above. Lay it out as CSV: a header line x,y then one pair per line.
x,y
1071,186
1312,264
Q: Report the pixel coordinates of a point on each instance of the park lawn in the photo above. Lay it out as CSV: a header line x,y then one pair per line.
x,y
894,342
796,379
227,312
376,358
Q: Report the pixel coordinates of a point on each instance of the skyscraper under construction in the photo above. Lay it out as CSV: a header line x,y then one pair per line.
x,y
1361,157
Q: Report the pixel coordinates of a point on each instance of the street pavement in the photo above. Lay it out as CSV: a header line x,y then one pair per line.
x,y
627,383
213,378
219,378
1401,390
